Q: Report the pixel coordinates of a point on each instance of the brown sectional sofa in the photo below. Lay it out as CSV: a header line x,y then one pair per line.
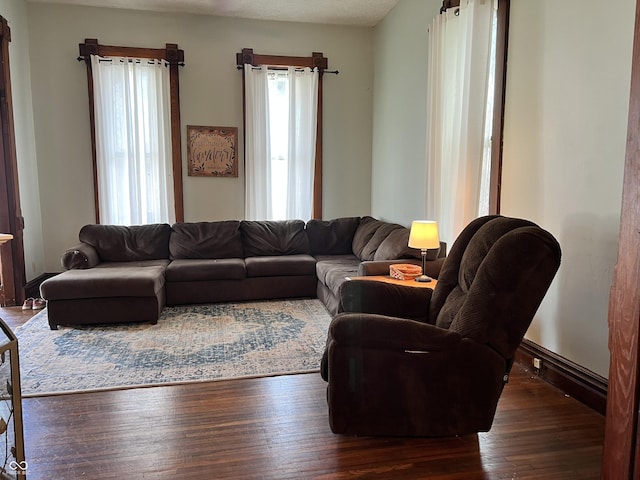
x,y
119,274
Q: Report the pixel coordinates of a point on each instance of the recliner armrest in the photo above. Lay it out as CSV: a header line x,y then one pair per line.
x,y
390,333
370,296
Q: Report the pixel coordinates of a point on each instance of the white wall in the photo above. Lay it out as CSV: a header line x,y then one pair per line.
x,y
565,127
15,12
210,91
400,119
565,131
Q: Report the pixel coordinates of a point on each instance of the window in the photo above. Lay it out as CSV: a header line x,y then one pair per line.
x,y
467,47
283,136
136,133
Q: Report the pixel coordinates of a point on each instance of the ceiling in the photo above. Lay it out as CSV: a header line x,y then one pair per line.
x,y
366,13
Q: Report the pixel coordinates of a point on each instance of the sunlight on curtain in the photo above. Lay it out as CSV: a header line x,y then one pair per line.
x,y
303,107
133,141
257,144
459,129
281,113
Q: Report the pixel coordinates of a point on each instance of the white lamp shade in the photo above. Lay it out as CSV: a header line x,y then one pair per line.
x,y
424,234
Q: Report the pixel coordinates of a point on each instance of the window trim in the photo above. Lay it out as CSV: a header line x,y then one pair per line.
x,y
316,60
174,57
12,268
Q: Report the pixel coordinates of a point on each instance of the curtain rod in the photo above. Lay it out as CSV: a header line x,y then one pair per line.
x,y
180,64
335,72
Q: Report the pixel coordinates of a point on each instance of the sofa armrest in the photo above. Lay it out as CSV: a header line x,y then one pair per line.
x,y
370,296
80,256
381,267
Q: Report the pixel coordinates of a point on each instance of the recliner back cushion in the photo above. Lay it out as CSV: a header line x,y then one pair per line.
x,y
206,240
332,237
287,237
115,243
504,274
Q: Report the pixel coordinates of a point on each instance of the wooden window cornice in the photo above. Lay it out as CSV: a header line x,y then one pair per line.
x,y
247,57
175,58
316,60
91,47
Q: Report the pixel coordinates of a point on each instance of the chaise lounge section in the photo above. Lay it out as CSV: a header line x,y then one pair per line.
x,y
118,274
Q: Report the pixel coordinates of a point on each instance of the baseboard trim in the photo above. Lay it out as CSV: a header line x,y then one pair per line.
x,y
582,384
32,288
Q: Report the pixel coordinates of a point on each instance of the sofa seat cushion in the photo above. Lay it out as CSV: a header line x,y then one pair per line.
x,y
331,270
113,281
280,266
190,270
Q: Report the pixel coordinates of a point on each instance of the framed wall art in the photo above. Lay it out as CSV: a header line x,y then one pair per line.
x,y
212,151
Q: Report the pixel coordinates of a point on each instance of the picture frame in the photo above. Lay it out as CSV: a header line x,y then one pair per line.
x,y
212,151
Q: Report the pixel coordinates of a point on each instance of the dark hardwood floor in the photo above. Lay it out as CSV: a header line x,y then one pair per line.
x,y
277,428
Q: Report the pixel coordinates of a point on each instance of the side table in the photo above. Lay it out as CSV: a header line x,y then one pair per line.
x,y
405,283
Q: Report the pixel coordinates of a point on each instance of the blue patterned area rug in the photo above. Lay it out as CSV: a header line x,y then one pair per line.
x,y
192,343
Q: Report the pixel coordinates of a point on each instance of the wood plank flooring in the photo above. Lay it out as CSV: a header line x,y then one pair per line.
x,y
277,428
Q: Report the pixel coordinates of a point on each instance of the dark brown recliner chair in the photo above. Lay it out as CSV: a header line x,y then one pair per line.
x,y
440,372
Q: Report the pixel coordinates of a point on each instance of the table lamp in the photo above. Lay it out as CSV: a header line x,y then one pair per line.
x,y
424,235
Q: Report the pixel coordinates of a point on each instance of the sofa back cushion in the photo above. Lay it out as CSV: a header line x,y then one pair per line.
x,y
332,237
370,235
286,237
366,229
396,245
115,243
206,240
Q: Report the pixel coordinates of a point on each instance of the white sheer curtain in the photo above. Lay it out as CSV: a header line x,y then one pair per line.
x,y
459,78
303,107
280,138
257,144
133,141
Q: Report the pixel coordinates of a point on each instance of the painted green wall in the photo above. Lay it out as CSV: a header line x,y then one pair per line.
x,y
210,91
564,143
400,117
564,147
15,12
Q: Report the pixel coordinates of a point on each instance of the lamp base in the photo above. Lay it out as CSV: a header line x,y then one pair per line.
x,y
423,278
